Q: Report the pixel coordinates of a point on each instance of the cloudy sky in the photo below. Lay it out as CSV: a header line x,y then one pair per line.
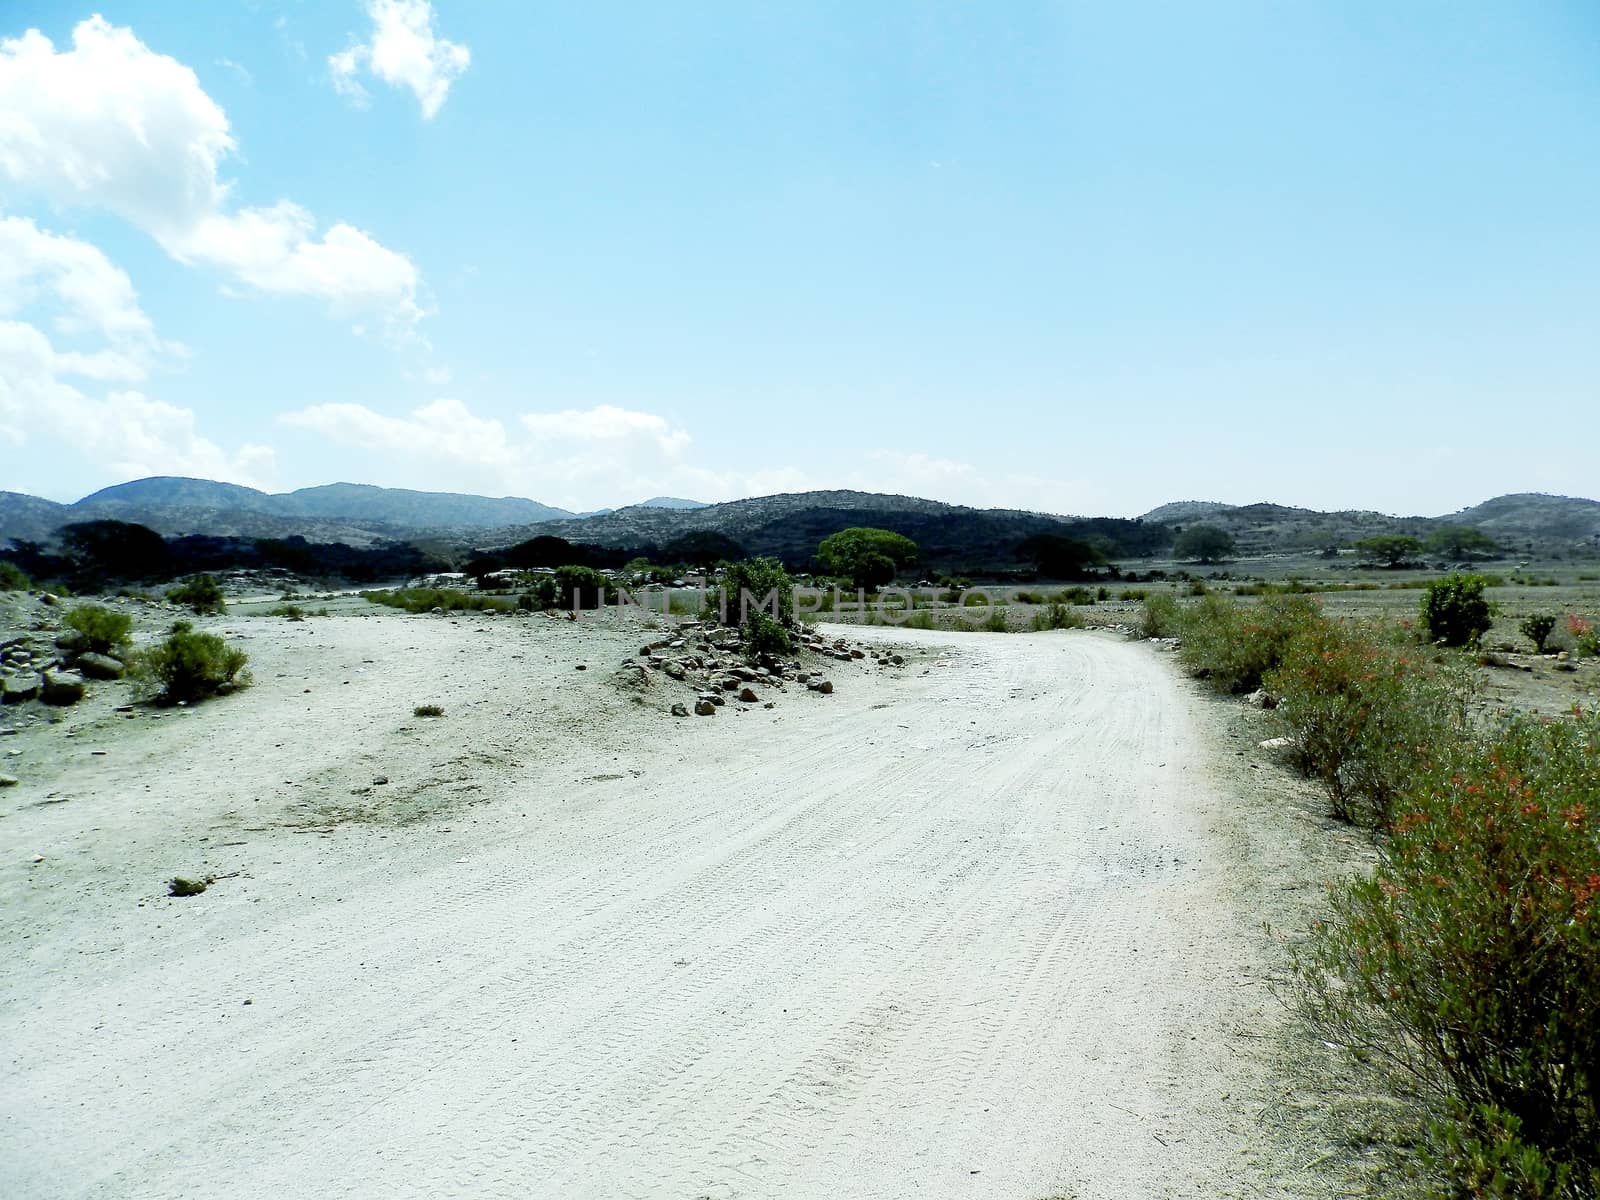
x,y
1073,257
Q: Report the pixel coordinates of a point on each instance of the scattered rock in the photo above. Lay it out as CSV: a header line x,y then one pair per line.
x,y
379,780
704,708
61,688
100,666
9,781
825,686
1261,698
682,710
748,695
1277,743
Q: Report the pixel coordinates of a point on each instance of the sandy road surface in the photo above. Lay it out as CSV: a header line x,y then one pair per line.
x,y
965,934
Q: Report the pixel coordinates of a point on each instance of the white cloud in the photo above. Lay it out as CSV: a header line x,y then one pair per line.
x,y
403,51
91,305
574,458
111,124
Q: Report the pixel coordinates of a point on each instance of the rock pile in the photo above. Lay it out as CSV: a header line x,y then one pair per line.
x,y
32,670
710,659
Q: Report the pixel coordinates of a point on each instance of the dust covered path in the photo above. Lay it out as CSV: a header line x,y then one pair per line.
x,y
967,936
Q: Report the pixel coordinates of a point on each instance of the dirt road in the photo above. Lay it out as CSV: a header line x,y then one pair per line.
x,y
968,934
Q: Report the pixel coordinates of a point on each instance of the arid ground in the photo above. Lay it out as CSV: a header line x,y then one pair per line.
x,y
989,924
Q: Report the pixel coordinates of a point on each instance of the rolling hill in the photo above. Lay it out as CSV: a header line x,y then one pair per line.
x,y
953,537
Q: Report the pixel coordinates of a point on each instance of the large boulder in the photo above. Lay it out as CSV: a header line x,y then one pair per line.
x,y
61,688
100,666
14,689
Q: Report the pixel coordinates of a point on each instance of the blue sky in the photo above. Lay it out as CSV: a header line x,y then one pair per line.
x,y
1070,257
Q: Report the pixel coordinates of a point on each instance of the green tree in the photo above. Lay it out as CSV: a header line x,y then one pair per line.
x,y
116,550
702,548
1058,557
1392,548
1203,543
1460,541
862,554
580,587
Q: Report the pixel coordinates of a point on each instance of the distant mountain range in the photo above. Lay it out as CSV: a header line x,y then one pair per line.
x,y
788,525
1523,522
353,512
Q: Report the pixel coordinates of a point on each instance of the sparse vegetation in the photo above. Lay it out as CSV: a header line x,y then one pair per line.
x,y
190,666
1057,615
104,631
427,710
202,593
425,600
13,578
180,885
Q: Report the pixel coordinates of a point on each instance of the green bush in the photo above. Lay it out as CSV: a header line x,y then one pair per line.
x,y
751,585
996,622
763,635
1470,958
1537,629
1363,712
291,611
1057,615
1585,637
201,593
190,665
427,710
1454,610
1232,646
103,630
1159,618
13,578
424,600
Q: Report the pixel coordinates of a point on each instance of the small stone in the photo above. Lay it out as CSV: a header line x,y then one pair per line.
x,y
9,781
379,780
748,695
682,710
704,708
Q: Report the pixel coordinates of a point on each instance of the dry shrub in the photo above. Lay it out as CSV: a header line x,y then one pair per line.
x,y
1365,710
1470,959
1232,646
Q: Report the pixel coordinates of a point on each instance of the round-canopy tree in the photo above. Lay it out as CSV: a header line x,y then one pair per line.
x,y
1203,543
1392,548
870,557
